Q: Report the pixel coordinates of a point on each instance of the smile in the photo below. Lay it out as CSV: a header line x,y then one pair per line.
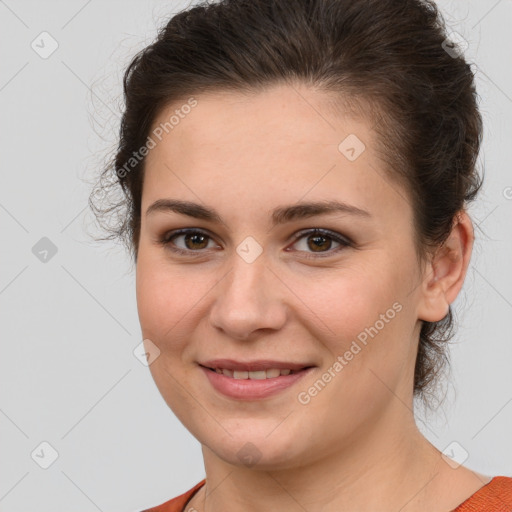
x,y
256,375
253,384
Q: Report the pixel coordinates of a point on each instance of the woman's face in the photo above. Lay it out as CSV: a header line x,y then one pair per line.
x,y
257,284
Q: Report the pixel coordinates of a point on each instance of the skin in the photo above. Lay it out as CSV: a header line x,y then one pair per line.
x,y
346,449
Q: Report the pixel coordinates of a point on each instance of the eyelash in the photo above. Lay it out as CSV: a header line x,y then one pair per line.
x,y
345,242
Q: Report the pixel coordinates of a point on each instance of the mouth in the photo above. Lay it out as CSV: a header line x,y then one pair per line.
x,y
270,373
255,379
258,370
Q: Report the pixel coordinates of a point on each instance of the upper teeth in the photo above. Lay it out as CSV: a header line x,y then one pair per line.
x,y
261,374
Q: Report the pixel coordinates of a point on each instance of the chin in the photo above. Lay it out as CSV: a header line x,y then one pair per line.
x,y
260,450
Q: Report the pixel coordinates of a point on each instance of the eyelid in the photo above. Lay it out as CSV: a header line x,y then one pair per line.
x,y
322,231
166,238
344,242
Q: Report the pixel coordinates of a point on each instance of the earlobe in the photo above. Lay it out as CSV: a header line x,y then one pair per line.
x,y
433,305
445,273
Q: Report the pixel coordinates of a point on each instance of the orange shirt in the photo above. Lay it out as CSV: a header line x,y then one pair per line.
x,y
496,496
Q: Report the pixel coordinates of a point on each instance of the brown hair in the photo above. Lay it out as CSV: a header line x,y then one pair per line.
x,y
386,58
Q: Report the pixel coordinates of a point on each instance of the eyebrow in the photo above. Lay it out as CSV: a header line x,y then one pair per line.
x,y
280,215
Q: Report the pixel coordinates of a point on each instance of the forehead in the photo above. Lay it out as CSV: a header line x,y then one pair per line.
x,y
280,114
270,147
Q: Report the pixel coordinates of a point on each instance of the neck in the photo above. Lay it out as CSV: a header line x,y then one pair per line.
x,y
387,466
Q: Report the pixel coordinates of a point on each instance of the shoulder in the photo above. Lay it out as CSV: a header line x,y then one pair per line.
x,y
178,503
496,496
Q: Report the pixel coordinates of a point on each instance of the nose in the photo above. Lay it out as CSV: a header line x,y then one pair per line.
x,y
249,299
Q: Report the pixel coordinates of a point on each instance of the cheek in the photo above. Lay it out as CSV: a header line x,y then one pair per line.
x,y
347,301
362,320
166,298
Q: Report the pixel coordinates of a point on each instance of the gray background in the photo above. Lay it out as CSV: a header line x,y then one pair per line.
x,y
69,325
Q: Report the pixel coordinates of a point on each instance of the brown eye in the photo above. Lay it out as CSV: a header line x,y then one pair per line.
x,y
193,240
317,242
320,241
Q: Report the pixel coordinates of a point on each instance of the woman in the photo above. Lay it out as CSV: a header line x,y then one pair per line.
x,y
297,174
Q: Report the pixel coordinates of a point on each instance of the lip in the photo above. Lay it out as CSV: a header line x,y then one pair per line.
x,y
254,389
253,366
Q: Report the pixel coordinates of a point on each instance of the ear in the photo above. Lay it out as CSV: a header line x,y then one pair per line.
x,y
444,275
